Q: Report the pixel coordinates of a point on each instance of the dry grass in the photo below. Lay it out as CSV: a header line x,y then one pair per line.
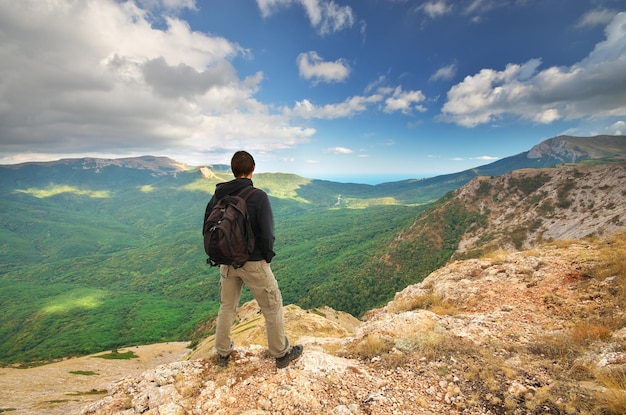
x,y
497,256
369,347
418,302
586,333
431,344
427,301
444,308
607,279
395,358
612,259
556,346
564,347
563,243
611,399
556,365
569,344
558,354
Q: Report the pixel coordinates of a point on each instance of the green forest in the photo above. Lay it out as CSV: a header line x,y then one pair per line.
x,y
93,262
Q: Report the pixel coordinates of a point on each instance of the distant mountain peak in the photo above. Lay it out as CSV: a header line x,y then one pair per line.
x,y
156,164
568,149
152,163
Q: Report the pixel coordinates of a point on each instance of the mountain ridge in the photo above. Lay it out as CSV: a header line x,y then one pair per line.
x,y
550,152
122,246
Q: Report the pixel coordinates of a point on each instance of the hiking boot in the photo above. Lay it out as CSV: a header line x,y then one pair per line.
x,y
222,361
293,354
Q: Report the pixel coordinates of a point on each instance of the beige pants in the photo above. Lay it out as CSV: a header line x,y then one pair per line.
x,y
258,277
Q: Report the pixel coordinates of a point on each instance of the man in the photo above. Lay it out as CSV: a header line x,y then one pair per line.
x,y
255,273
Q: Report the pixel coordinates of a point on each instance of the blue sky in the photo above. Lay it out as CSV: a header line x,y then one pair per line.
x,y
319,88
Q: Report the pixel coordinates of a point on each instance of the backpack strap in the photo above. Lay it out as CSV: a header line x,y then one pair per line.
x,y
246,192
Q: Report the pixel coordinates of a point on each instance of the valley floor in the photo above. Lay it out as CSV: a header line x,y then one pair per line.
x,y
53,389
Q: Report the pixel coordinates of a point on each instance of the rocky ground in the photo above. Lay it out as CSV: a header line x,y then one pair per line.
x,y
533,332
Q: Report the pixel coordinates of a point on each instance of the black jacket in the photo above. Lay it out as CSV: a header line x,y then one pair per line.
x,y
259,212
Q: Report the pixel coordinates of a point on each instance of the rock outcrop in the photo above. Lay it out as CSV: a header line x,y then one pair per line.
x,y
526,207
515,332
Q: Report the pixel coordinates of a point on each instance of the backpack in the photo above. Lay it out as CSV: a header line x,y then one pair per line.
x,y
228,236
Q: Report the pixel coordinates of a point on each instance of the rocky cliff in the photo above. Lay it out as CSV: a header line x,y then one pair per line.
x,y
527,207
526,332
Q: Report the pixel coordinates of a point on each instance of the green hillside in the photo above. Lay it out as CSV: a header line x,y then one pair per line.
x,y
92,262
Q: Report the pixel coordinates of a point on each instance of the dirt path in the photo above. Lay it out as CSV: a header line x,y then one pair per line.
x,y
52,389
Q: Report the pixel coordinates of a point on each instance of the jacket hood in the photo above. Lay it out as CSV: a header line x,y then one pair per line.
x,y
232,187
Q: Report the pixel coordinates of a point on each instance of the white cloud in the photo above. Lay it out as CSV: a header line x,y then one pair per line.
x,y
183,80
404,101
395,100
93,90
485,158
268,7
617,128
339,150
481,158
375,84
325,15
334,18
475,5
435,8
351,106
478,7
594,88
599,17
312,66
444,73
474,8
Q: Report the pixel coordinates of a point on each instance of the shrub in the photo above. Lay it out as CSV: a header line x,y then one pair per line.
x,y
371,346
585,333
115,355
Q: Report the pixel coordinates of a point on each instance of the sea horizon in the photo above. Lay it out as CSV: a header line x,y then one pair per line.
x,y
371,179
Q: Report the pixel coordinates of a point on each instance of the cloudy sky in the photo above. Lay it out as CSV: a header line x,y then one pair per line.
x,y
320,88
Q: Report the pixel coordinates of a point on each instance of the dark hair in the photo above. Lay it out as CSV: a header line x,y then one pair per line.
x,y
242,164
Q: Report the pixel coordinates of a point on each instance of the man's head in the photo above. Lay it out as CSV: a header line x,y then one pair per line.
x,y
242,164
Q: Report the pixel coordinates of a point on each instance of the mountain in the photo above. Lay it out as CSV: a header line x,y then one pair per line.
x,y
567,149
485,301
99,254
549,153
522,210
531,331
525,208
519,210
